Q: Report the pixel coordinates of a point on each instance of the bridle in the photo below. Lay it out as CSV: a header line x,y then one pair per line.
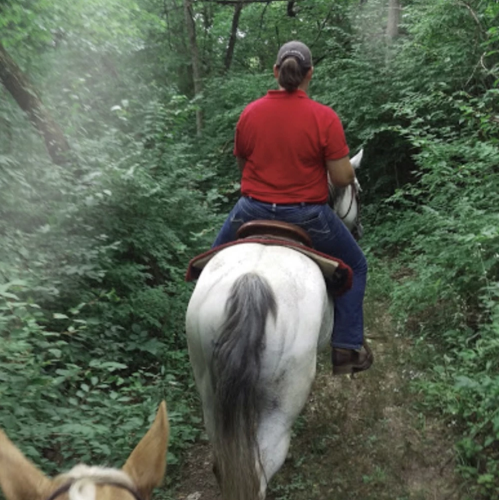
x,y
66,487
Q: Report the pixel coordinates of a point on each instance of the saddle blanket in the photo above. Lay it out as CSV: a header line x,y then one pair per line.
x,y
337,274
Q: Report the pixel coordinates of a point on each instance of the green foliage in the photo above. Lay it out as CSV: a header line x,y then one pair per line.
x,y
63,406
441,227
92,255
92,339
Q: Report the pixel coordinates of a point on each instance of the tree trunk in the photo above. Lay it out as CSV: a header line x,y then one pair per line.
x,y
28,100
196,73
233,35
392,28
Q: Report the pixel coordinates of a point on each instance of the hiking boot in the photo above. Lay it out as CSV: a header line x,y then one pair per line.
x,y
349,361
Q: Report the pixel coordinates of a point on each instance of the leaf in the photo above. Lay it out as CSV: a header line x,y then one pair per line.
x,y
55,352
60,316
463,382
107,365
485,479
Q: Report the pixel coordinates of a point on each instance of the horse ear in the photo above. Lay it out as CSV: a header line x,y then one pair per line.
x,y
147,463
355,161
19,478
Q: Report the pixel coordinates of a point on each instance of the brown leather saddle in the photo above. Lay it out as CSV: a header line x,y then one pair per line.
x,y
273,229
337,274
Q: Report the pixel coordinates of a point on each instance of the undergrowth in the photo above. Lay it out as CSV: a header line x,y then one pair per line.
x,y
446,293
92,254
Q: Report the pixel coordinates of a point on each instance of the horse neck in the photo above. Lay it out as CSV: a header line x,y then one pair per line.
x,y
344,202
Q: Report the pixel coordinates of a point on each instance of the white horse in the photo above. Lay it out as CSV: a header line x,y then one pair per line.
x,y
255,322
345,201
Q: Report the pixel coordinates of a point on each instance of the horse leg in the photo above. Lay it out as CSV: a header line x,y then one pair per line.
x,y
274,442
274,430
208,397
204,384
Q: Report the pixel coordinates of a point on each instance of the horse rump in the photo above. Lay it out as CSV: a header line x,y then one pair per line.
x,y
239,395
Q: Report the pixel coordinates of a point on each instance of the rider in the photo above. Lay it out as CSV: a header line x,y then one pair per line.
x,y
285,145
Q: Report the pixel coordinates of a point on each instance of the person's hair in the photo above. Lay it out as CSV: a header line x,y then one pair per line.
x,y
291,74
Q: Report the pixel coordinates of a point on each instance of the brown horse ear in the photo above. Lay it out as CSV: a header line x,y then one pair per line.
x,y
19,478
147,463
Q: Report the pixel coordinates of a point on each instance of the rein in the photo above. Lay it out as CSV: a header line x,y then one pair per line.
x,y
355,196
66,486
357,230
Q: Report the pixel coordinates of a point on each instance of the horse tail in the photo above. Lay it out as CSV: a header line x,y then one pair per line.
x,y
239,395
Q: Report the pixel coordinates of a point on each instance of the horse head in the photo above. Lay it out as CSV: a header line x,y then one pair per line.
x,y
346,201
143,471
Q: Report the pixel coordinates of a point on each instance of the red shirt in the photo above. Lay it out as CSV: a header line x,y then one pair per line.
x,y
285,138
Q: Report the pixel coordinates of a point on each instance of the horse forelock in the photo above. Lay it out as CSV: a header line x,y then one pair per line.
x,y
85,478
82,489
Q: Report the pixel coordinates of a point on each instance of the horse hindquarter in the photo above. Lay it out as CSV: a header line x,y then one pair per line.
x,y
253,328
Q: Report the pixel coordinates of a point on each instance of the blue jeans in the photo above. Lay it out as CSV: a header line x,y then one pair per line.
x,y
330,236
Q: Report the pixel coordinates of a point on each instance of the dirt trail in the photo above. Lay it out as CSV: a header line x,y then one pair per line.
x,y
357,439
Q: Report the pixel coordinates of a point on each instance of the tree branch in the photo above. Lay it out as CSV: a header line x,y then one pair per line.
x,y
233,35
168,29
196,72
261,19
322,26
23,92
472,12
235,2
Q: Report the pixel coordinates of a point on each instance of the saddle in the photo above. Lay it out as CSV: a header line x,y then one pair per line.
x,y
337,274
274,229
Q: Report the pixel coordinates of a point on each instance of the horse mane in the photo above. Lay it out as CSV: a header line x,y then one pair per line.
x,y
85,478
335,194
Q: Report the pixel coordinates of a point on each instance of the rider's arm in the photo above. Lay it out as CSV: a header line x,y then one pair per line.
x,y
240,163
341,172
241,148
339,168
